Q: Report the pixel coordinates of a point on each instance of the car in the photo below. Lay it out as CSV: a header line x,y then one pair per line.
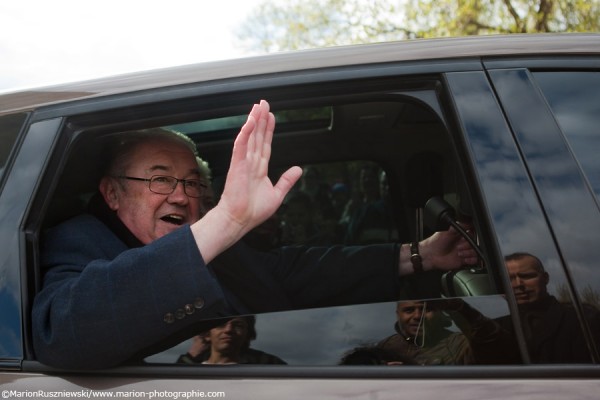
x,y
396,140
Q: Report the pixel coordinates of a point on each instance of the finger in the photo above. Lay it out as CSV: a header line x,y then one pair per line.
x,y
240,146
259,132
286,181
266,145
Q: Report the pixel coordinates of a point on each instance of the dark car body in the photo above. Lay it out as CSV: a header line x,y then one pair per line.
x,y
505,128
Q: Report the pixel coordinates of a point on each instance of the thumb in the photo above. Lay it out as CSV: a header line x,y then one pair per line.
x,y
287,180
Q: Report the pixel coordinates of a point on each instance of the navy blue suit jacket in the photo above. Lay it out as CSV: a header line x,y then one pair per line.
x,y
103,303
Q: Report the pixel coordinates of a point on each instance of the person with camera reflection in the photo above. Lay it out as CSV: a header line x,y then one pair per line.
x,y
423,334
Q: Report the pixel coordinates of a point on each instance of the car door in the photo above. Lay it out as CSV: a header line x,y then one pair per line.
x,y
25,150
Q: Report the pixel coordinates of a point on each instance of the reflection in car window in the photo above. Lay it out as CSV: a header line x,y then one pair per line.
x,y
10,125
331,336
575,100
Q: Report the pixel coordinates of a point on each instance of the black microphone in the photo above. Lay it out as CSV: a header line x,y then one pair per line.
x,y
439,215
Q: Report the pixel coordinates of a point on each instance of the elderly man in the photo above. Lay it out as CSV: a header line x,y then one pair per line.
x,y
141,271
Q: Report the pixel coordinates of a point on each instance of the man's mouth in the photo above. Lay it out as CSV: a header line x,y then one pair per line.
x,y
522,295
226,339
174,219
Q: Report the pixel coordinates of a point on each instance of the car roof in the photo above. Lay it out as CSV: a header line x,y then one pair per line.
x,y
407,50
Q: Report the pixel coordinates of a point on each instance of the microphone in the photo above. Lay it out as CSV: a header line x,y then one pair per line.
x,y
439,216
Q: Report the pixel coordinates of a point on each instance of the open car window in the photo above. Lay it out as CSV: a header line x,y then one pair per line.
x,y
371,161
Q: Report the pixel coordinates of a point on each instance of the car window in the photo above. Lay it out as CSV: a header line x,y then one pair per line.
x,y
10,126
371,162
575,100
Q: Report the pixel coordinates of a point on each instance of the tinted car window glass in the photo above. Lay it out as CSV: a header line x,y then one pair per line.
x,y
10,125
575,100
367,334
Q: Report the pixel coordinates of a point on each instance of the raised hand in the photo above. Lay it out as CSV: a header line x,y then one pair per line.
x,y
249,197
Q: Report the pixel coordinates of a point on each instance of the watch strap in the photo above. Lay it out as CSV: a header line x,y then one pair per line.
x,y
415,257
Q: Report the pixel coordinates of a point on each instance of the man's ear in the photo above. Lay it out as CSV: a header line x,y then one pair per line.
x,y
110,192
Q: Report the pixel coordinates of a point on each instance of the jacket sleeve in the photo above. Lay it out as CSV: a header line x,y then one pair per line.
x,y
298,277
102,303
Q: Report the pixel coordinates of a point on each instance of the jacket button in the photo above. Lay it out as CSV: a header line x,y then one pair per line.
x,y
169,318
179,314
199,303
189,309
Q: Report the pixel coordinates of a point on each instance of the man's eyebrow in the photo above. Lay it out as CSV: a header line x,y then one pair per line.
x,y
164,168
158,168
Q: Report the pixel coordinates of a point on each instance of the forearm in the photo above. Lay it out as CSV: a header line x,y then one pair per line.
x,y
442,251
405,263
215,233
336,275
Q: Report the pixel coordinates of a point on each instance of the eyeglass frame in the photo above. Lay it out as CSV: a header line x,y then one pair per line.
x,y
201,185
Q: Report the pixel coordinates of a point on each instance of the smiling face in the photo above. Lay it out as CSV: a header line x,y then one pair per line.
x,y
149,215
412,315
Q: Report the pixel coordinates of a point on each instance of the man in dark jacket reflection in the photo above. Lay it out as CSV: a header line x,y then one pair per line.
x,y
552,329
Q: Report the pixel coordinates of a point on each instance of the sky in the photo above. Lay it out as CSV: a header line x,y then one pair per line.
x,y
44,42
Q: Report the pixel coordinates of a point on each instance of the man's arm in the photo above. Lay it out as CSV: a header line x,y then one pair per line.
x,y
249,198
102,303
442,251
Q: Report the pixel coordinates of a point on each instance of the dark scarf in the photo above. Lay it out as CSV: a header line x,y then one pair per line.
x,y
99,209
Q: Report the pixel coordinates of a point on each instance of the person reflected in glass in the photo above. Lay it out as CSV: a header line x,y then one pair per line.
x,y
228,343
552,328
423,334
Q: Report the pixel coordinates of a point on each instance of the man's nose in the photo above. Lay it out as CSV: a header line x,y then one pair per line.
x,y
516,282
229,327
178,195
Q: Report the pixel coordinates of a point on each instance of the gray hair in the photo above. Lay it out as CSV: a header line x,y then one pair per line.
x,y
127,142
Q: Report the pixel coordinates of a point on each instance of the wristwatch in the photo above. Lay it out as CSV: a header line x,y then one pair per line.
x,y
415,257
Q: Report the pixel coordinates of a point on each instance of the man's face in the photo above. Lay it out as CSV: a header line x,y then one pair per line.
x,y
527,280
149,215
230,337
412,315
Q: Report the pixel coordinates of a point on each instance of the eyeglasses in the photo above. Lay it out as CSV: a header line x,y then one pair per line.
x,y
163,184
